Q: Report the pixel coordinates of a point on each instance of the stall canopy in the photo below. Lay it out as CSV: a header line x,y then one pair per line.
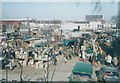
x,y
69,42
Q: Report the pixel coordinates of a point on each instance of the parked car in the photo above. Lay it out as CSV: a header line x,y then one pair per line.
x,y
82,71
106,74
41,44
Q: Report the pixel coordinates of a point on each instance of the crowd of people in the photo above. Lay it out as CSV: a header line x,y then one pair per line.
x,y
84,50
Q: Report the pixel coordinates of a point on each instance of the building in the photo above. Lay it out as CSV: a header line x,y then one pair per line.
x,y
74,26
95,25
24,28
81,26
9,25
94,18
12,22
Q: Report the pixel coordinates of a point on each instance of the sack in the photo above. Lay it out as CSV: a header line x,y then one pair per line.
x,y
55,60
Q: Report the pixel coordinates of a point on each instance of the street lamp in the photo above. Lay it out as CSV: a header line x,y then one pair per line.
x,y
6,75
47,71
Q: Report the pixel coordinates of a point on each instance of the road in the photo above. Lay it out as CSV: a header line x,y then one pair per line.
x,y
59,72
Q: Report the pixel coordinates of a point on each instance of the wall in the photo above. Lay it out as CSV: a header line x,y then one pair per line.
x,y
94,25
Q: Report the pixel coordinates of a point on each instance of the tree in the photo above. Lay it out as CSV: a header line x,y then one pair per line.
x,y
119,14
98,5
114,19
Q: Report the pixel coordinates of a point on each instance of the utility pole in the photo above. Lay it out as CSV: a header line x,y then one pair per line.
x,y
6,75
61,34
21,74
21,70
47,71
28,26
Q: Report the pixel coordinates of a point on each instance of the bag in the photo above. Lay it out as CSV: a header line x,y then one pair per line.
x,y
55,60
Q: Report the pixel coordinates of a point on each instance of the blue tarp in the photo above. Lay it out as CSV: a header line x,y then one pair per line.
x,y
25,37
69,42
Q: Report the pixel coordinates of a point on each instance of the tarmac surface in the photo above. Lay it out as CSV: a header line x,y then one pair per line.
x,y
59,72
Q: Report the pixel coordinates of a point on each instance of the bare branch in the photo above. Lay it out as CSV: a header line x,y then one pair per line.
x,y
97,6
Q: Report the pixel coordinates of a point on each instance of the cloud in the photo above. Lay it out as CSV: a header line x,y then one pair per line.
x,y
58,0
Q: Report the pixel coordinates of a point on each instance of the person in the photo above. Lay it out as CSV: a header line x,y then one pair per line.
x,y
94,60
103,55
115,61
54,58
83,55
83,48
73,51
90,59
70,53
99,58
108,59
13,53
77,51
64,58
55,63
4,52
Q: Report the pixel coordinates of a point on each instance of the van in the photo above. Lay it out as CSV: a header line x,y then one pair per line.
x,y
82,71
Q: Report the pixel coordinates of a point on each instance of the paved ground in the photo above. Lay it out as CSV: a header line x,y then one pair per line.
x,y
60,72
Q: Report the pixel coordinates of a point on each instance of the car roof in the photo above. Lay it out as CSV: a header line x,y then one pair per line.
x,y
82,67
112,69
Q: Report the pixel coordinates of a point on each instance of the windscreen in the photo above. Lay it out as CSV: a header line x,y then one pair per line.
x,y
81,77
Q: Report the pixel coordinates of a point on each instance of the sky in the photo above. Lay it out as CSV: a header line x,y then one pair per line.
x,y
55,10
58,0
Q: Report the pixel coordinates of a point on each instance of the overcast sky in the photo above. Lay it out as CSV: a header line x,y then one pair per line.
x,y
55,10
